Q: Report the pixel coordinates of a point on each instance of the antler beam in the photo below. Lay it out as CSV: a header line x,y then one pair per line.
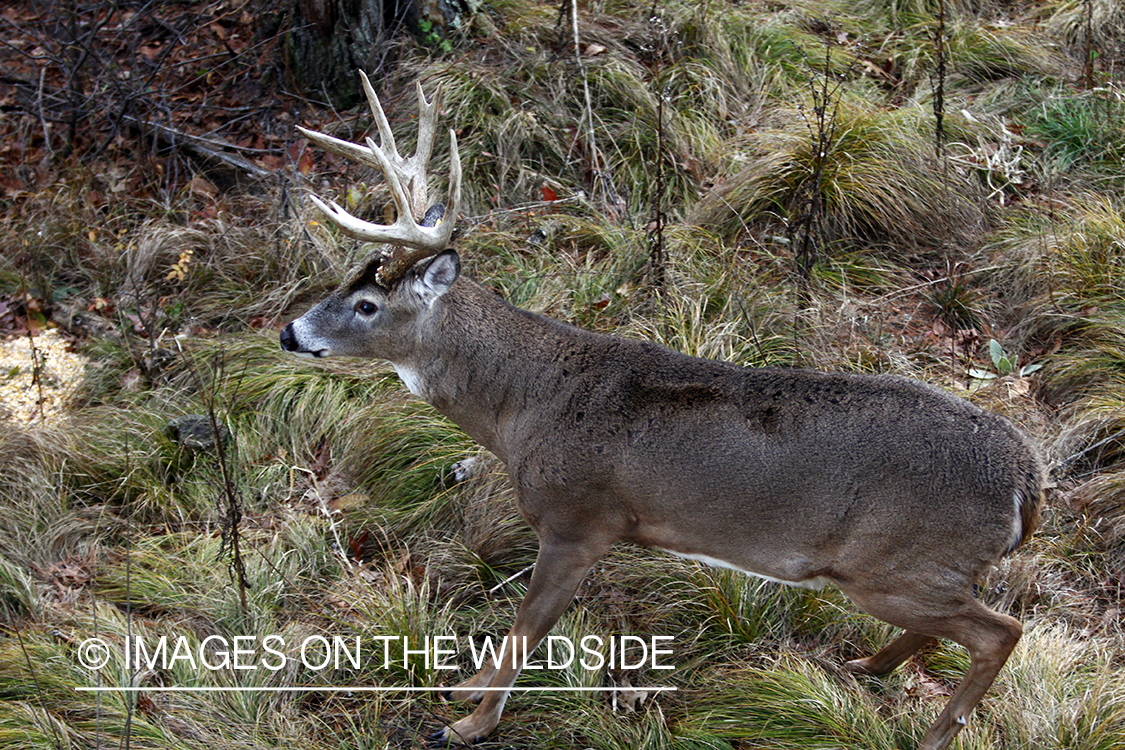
x,y
406,179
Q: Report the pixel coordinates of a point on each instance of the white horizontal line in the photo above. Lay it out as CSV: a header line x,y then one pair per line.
x,y
361,689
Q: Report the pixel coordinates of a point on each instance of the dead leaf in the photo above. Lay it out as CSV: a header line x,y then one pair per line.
x,y
305,163
180,268
370,575
629,699
202,187
323,458
919,685
272,162
357,543
146,705
301,155
132,380
68,573
347,502
406,566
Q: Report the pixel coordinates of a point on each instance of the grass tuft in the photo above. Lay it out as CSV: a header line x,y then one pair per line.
x,y
876,185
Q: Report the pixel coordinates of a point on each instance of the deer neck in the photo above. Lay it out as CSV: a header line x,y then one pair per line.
x,y
483,363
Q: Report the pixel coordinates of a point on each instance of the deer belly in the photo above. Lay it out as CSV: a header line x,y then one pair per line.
x,y
815,583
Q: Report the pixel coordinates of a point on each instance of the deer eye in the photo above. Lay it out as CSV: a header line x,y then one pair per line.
x,y
366,307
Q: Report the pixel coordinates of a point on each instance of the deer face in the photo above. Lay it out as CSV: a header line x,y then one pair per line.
x,y
363,318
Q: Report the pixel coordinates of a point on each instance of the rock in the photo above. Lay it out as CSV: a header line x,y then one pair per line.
x,y
194,431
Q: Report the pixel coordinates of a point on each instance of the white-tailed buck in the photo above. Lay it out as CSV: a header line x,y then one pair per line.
x,y
897,492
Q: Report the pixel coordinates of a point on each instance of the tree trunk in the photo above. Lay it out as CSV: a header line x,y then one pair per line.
x,y
328,40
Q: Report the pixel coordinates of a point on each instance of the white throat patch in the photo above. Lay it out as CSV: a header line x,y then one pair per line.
x,y
410,378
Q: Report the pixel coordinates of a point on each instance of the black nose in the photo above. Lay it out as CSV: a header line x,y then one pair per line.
x,y
288,340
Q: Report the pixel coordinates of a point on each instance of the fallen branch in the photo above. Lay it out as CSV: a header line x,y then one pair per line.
x,y
204,148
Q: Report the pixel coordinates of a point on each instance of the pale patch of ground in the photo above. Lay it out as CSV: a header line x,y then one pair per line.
x,y
21,399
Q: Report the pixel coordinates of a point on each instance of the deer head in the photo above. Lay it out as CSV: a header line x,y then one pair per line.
x,y
378,309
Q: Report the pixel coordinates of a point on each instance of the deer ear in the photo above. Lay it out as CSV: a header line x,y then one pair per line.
x,y
438,276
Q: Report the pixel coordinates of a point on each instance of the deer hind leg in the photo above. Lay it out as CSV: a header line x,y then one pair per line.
x,y
559,569
989,638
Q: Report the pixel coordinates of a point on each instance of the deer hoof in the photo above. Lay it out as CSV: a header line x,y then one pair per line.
x,y
443,738
461,694
447,737
859,666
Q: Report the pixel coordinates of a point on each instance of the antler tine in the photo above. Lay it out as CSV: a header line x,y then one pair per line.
x,y
405,231
437,236
385,135
406,180
343,148
411,170
427,126
404,167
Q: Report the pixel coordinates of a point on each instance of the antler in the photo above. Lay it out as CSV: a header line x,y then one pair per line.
x,y
406,179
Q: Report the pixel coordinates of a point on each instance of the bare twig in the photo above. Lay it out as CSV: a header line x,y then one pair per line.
x,y
939,83
509,579
130,700
207,148
1088,45
42,116
37,359
38,689
230,502
333,526
599,166
806,224
1070,459
656,232
806,228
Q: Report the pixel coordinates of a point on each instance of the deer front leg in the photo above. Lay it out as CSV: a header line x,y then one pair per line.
x,y
559,569
469,689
